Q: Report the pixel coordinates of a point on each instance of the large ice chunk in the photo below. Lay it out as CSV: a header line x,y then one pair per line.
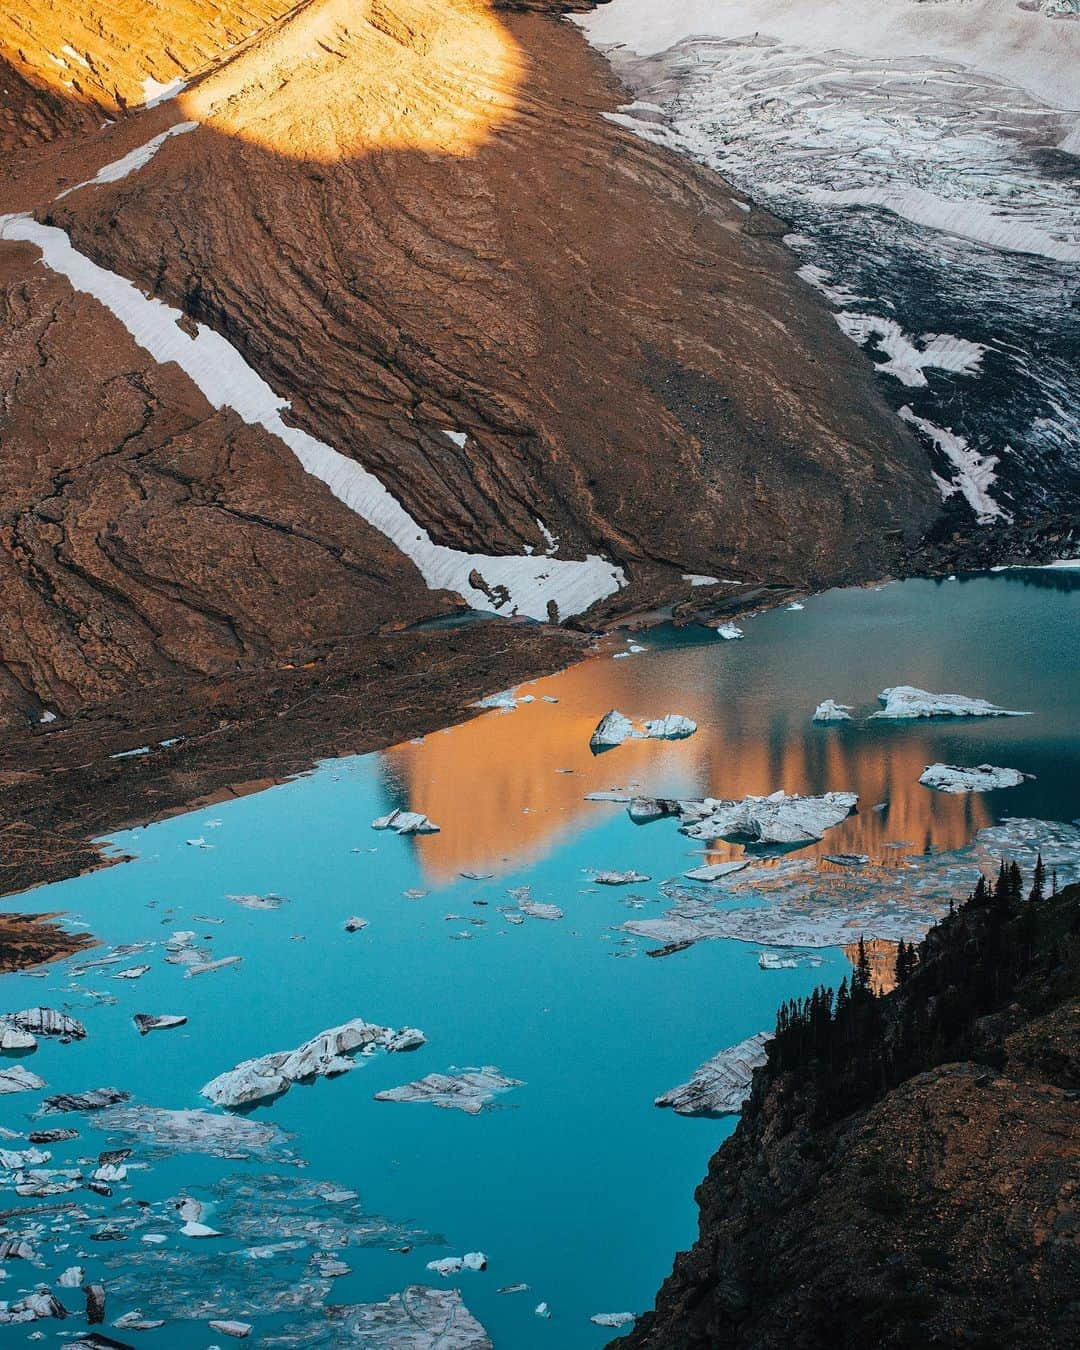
x,y
982,778
720,1085
904,701
468,1090
777,819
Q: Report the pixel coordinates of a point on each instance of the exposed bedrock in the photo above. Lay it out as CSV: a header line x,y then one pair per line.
x,y
410,219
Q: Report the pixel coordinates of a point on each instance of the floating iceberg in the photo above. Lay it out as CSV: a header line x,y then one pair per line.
x,y
45,1022
451,1265
147,1022
776,819
716,871
642,810
982,778
405,822
327,1054
620,878
670,727
621,1319
830,711
95,1100
416,1319
613,729
720,1085
470,1090
904,701
730,632
12,1038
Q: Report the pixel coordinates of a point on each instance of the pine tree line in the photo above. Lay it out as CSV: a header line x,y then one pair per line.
x,y
851,1047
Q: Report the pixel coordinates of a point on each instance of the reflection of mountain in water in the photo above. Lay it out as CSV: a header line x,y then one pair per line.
x,y
495,788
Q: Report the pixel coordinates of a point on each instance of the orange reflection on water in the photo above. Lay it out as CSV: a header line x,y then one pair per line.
x,y
498,788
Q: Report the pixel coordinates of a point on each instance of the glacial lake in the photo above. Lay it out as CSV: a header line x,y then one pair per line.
x,y
573,1183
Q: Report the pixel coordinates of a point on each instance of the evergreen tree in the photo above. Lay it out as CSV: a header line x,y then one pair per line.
x,y
1038,882
860,980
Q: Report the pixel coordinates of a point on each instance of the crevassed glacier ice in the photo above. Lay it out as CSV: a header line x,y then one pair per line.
x,y
720,1085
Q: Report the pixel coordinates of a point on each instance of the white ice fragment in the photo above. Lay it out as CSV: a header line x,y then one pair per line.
x,y
227,1327
982,778
468,1090
451,1265
730,632
905,701
355,924
72,1278
721,1084
325,1055
405,822
777,819
193,1229
542,1310
830,711
671,727
630,878
621,1319
458,437
14,1038
46,717
18,1079
613,729
716,871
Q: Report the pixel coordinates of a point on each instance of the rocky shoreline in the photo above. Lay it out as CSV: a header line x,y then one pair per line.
x,y
938,1210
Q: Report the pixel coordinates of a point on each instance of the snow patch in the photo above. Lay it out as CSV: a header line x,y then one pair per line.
x,y
974,474
906,360
129,163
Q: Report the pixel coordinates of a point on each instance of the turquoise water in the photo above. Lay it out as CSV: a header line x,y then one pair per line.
x,y
575,1183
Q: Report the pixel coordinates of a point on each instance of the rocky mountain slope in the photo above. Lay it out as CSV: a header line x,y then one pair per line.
x,y
905,1173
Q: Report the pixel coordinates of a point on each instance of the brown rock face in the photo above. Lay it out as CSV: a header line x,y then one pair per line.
x,y
942,1214
409,217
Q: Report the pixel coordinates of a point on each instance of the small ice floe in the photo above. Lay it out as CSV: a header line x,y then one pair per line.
x,y
15,1039
131,973
730,632
620,878
206,967
325,1055
716,871
773,961
452,1265
94,1100
720,1085
794,607
505,701
831,711
779,818
418,1318
905,701
643,810
847,859
45,1022
110,1174
31,1308
414,893
57,1136
522,896
72,1278
161,1133
15,1249
613,729
616,1320
405,822
476,876
608,795
982,778
671,727
228,1327
147,1022
200,842
194,1229
135,1321
355,924
468,1090
542,1310
258,902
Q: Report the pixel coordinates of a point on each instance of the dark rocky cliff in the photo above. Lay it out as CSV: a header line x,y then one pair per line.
x,y
905,1175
